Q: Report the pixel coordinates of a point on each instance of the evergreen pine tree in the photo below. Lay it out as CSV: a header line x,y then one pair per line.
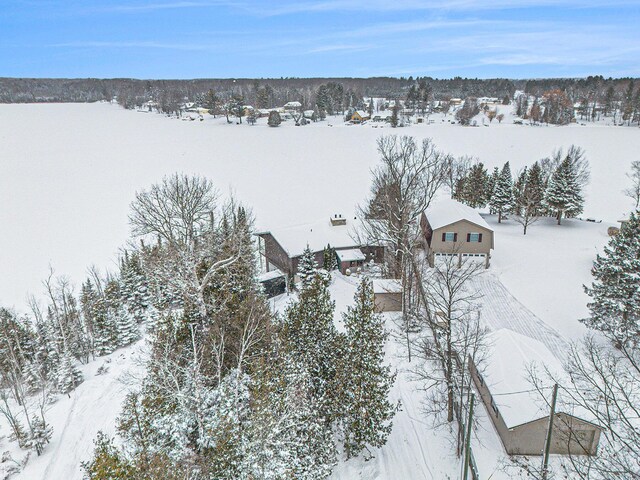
x,y
368,412
305,448
68,376
41,434
307,267
615,292
535,188
329,261
309,335
274,119
502,198
475,186
491,186
134,287
563,195
519,197
127,327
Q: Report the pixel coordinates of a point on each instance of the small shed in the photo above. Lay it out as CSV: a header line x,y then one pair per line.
x,y
387,294
519,412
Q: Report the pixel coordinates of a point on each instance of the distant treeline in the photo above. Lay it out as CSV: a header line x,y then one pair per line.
x,y
278,91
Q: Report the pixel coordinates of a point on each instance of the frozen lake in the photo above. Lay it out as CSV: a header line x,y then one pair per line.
x,y
69,171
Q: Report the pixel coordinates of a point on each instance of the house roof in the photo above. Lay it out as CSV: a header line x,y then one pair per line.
x,y
263,277
449,211
350,255
294,239
386,285
506,373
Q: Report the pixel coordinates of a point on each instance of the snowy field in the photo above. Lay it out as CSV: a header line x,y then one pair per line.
x,y
68,173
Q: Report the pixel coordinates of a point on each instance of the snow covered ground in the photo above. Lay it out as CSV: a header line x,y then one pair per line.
x,y
68,173
77,418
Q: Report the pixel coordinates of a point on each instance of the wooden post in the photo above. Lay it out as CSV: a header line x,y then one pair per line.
x,y
547,444
467,446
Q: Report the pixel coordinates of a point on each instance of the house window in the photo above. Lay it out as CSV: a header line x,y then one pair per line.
x,y
449,237
474,237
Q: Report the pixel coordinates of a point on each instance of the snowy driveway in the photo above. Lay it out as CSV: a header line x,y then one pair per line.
x,y
503,310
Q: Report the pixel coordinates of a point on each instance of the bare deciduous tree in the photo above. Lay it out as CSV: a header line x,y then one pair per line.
x,y
402,188
176,210
454,335
633,192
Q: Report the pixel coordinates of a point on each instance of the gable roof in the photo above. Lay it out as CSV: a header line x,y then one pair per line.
x,y
449,211
506,373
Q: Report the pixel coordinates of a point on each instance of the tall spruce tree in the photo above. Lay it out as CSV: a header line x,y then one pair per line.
x,y
309,334
502,198
68,376
564,192
475,186
491,186
367,412
615,291
307,267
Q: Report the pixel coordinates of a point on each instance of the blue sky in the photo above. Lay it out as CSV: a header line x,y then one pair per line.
x,y
362,38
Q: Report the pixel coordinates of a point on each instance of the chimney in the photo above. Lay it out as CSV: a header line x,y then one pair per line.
x,y
337,220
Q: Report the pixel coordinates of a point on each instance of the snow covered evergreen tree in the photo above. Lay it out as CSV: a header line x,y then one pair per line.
x,y
68,376
40,436
564,192
368,411
95,311
287,437
528,193
615,292
491,186
134,288
475,186
502,197
329,260
307,267
309,334
127,327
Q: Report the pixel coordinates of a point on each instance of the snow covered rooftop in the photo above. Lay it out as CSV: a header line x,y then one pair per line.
x,y
263,277
386,285
350,255
506,373
317,235
449,211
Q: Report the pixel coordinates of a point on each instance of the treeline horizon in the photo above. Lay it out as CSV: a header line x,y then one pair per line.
x,y
303,89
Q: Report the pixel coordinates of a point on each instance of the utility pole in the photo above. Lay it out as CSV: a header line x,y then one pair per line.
x,y
547,443
467,446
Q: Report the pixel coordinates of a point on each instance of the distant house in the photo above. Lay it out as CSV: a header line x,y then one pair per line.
x,y
384,116
518,412
359,116
387,295
292,106
452,228
282,248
